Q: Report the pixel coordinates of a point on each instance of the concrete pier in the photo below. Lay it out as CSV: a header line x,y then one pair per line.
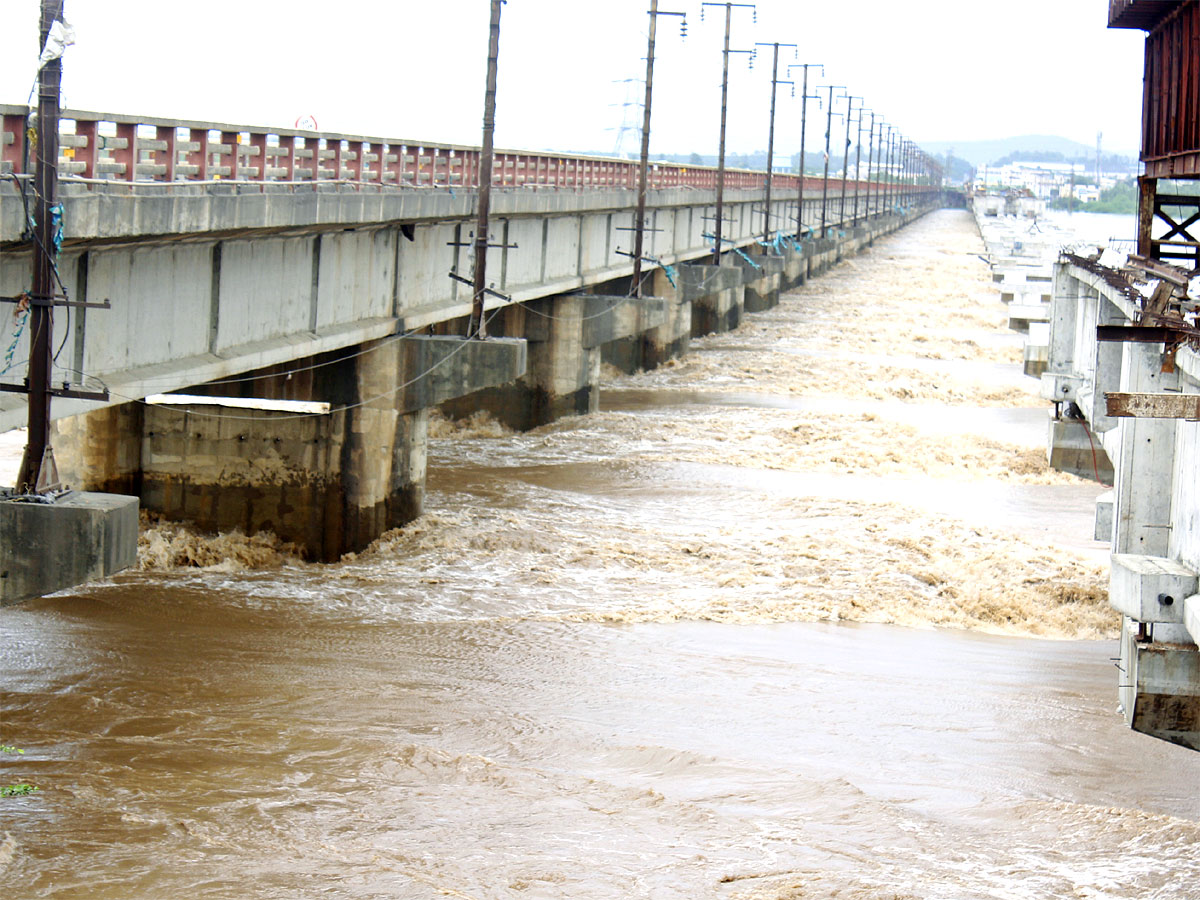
x,y
75,538
717,295
762,282
564,335
329,473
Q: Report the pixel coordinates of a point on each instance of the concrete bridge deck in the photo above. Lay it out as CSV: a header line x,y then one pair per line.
x,y
232,262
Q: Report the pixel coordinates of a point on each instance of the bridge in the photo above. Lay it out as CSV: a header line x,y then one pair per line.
x,y
262,271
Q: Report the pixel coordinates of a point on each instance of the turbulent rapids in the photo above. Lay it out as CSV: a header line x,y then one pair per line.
x,y
649,653
891,369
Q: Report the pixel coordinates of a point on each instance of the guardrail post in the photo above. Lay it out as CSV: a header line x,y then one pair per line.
x,y
89,131
127,155
377,151
232,140
13,152
166,134
259,141
199,156
287,159
335,161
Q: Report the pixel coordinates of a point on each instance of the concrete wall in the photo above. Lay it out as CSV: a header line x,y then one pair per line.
x,y
264,278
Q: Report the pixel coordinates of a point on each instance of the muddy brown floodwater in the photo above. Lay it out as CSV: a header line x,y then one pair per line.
x,y
803,615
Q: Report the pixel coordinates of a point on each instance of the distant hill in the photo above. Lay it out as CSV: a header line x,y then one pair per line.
x,y
977,153
985,153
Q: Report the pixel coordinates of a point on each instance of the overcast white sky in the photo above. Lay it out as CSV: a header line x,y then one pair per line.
x,y
941,70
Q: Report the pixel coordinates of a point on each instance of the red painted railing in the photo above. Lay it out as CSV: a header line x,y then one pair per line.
x,y
99,148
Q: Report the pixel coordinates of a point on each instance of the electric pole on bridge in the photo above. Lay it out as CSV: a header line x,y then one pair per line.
x,y
476,326
870,164
775,82
858,163
724,108
38,471
804,98
846,158
639,222
828,130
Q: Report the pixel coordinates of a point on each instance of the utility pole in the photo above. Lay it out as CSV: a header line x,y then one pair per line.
x,y
476,326
858,164
890,198
804,98
825,180
870,164
909,174
724,108
846,160
775,82
639,222
38,471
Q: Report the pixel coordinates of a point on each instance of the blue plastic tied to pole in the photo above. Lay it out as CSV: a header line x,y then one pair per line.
x,y
18,326
779,243
669,271
56,227
740,252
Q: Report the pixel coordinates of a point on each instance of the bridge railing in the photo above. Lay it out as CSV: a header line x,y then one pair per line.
x,y
103,148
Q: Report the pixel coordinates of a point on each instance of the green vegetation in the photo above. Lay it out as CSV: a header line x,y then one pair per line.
x,y
15,790
1120,199
1110,162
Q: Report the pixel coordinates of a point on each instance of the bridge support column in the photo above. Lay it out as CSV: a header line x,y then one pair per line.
x,y
101,450
717,295
329,479
669,340
795,267
661,331
824,255
763,281
565,335
561,376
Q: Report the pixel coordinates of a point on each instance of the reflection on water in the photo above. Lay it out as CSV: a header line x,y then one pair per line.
x,y
636,655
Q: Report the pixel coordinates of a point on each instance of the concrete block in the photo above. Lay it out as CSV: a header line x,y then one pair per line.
x,y
609,318
1150,588
1021,315
1072,448
1104,516
1191,616
1160,687
437,369
1059,387
762,284
1037,349
48,547
697,281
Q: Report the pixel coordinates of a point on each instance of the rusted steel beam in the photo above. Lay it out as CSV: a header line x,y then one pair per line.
x,y
1153,406
1141,334
1174,274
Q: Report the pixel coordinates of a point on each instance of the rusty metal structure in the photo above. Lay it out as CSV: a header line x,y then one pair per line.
x,y
1170,126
